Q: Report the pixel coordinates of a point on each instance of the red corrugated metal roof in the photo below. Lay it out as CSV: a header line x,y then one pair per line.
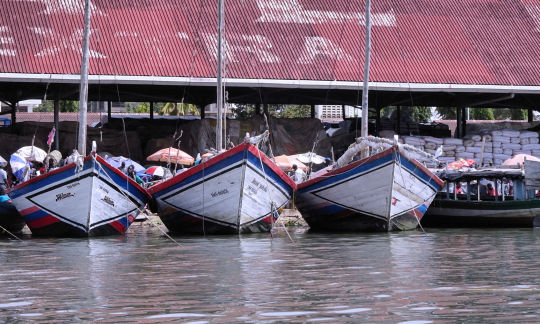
x,y
489,42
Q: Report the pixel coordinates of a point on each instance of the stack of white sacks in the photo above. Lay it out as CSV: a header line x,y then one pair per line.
x,y
493,148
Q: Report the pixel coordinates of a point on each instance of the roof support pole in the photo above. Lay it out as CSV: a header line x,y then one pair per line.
x,y
458,133
398,121
463,122
378,121
151,110
343,111
13,106
265,109
56,104
258,109
312,111
109,111
529,115
201,110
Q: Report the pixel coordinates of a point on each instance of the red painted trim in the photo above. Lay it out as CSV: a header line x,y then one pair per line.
x,y
43,221
45,175
30,210
118,226
72,165
272,165
195,169
319,177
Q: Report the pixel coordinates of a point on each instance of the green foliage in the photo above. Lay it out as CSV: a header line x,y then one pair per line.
x,y
243,111
289,111
447,113
481,114
63,105
417,113
179,109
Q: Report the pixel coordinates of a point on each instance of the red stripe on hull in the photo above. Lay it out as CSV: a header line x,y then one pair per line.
x,y
118,226
43,221
28,211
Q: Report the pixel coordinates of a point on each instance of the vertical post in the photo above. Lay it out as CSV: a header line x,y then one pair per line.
x,y
56,123
529,115
495,181
151,110
464,122
365,87
398,124
109,111
219,96
202,111
13,106
265,109
312,111
83,97
378,121
468,190
447,190
257,109
458,133
343,111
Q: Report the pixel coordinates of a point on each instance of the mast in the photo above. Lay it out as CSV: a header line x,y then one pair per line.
x,y
219,100
83,93
365,89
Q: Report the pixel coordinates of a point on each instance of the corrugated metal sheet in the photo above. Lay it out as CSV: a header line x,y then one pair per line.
x,y
494,42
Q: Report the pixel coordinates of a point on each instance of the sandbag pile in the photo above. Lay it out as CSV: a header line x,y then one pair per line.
x,y
487,149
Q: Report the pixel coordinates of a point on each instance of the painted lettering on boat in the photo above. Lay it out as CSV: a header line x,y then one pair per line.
x,y
62,195
394,201
108,200
102,188
74,184
257,184
219,193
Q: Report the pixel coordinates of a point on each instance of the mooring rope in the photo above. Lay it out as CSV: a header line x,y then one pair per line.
x,y
5,230
124,194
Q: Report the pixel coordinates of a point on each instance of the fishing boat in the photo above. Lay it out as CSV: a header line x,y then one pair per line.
x,y
386,191
468,202
86,197
236,191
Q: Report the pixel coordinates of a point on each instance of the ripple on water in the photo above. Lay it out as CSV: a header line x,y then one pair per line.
x,y
15,304
176,315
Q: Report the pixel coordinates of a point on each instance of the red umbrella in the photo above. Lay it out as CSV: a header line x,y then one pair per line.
x,y
519,159
155,171
173,155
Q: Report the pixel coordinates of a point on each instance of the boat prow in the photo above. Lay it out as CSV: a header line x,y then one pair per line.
x,y
384,192
91,199
238,191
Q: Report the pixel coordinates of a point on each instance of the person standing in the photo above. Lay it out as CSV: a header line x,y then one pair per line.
x,y
3,178
299,175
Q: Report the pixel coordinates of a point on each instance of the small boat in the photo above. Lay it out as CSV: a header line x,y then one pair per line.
x,y
10,219
85,198
389,190
238,191
467,202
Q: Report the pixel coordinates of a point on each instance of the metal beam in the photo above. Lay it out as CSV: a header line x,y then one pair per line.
x,y
56,123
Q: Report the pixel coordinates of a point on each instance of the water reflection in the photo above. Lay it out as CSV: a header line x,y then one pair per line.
x,y
452,275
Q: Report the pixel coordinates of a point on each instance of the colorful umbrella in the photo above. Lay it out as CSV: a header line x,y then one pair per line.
x,y
519,159
173,155
156,171
285,162
18,165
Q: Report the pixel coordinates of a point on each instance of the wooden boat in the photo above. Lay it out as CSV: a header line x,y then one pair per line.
x,y
238,191
513,204
90,200
87,197
10,219
386,191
